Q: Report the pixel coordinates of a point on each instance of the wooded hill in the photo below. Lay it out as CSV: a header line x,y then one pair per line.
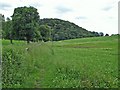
x,y
63,30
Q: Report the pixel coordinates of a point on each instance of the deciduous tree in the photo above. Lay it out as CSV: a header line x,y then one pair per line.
x,y
25,20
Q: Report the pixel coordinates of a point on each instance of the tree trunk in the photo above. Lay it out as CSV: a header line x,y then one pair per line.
x,y
11,38
11,41
28,41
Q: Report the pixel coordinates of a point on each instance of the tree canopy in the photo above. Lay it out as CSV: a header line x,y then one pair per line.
x,y
25,19
63,30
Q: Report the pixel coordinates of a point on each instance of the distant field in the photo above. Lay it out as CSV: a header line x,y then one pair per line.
x,y
85,62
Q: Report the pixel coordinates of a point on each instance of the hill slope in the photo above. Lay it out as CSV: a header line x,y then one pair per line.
x,y
66,30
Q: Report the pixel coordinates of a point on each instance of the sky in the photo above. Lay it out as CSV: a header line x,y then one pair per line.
x,y
93,15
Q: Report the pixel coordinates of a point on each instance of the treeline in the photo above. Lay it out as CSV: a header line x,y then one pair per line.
x,y
27,25
63,30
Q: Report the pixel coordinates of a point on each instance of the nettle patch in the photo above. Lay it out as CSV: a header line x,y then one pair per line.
x,y
11,65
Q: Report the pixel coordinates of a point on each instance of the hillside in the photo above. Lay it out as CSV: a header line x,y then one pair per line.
x,y
66,30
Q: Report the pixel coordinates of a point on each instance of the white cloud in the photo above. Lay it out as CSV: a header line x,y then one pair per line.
x,y
93,15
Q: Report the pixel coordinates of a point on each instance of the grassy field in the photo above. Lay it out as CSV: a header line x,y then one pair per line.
x,y
85,62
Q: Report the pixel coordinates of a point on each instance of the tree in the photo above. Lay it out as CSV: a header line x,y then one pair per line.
x,y
101,34
46,32
25,19
8,30
106,34
37,34
2,21
96,34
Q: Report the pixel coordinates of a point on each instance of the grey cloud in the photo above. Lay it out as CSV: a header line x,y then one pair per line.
x,y
63,9
36,4
107,8
81,17
4,6
111,17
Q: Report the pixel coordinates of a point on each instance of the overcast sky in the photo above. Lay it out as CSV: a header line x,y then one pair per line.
x,y
93,15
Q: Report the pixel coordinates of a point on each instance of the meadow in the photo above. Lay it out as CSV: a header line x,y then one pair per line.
x,y
76,63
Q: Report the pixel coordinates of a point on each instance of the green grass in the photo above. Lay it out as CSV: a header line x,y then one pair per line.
x,y
86,62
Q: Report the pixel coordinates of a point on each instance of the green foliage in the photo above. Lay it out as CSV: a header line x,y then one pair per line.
x,y
45,31
95,34
101,34
26,25
106,34
63,30
12,61
20,68
25,20
7,28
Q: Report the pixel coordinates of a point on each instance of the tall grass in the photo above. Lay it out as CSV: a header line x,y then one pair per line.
x,y
89,62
